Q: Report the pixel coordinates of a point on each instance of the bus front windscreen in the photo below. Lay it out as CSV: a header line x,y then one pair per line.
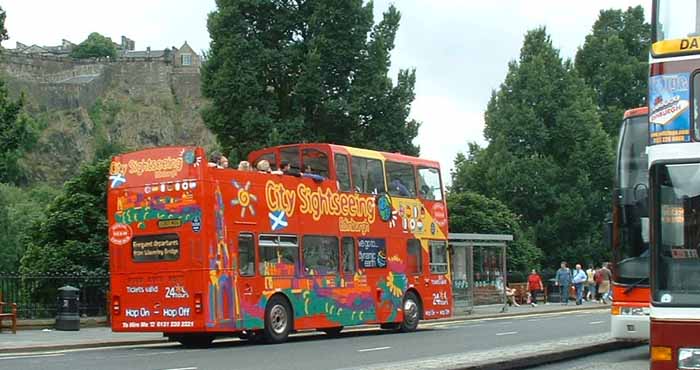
x,y
632,262
677,235
676,19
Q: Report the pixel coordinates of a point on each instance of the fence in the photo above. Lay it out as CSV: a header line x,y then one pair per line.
x,y
36,295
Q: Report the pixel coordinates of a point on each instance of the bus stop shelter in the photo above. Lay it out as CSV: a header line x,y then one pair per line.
x,y
478,269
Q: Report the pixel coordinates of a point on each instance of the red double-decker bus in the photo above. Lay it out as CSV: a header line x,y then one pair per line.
x,y
346,237
674,173
630,221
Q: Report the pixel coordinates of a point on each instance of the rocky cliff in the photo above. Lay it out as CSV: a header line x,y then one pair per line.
x,y
86,107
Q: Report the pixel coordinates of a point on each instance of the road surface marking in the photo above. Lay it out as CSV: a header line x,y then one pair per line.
x,y
507,333
596,322
30,356
151,354
183,368
373,349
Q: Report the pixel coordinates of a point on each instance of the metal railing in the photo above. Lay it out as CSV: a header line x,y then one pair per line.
x,y
36,295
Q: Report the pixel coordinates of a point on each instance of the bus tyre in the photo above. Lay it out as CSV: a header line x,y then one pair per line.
x,y
195,340
411,313
333,332
278,320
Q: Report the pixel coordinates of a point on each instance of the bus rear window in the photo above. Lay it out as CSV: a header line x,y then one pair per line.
x,y
155,248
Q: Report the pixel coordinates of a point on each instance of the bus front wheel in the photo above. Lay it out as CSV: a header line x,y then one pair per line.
x,y
278,320
411,313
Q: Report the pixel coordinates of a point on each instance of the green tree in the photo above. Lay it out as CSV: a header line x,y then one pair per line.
x,y
548,158
474,213
17,133
95,46
303,71
72,237
613,60
18,208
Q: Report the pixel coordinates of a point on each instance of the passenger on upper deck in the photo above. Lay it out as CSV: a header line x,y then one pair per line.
x,y
287,169
264,166
244,166
214,159
223,162
308,172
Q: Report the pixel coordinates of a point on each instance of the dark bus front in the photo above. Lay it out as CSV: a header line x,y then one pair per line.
x,y
630,309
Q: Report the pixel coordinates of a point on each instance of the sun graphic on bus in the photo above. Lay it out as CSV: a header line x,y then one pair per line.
x,y
245,198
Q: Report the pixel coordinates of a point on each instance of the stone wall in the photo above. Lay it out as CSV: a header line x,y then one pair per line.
x,y
131,103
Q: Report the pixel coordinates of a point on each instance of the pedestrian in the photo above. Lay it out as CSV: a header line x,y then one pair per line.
x,y
534,286
579,278
603,280
590,273
607,282
563,281
510,296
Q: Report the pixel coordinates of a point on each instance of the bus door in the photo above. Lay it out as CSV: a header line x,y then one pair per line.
x,y
248,284
437,302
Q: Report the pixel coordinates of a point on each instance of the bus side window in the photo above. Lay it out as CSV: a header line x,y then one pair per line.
x,y
291,156
348,255
402,179
270,157
342,172
368,175
315,162
246,254
278,255
438,257
414,262
320,255
429,183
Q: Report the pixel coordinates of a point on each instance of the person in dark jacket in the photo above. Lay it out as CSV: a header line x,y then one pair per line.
x,y
563,281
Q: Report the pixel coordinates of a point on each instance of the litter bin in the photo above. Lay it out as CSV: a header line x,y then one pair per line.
x,y
67,315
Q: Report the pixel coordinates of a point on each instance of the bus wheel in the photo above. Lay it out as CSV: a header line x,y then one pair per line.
x,y
333,332
278,320
195,340
411,313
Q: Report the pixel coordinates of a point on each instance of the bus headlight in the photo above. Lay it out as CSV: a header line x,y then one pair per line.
x,y
689,358
632,311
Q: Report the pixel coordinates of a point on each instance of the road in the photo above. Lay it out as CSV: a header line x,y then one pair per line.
x,y
636,358
366,348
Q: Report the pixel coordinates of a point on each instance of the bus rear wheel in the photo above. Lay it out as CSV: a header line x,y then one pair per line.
x,y
411,313
278,320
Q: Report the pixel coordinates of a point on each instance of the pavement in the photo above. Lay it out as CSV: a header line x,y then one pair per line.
x,y
40,335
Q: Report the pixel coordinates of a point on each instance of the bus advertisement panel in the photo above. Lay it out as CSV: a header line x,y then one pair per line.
x,y
198,252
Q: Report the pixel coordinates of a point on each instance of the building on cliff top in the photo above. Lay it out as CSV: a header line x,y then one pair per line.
x,y
185,56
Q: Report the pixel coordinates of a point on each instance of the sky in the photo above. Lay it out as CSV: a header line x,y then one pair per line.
x,y
459,48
